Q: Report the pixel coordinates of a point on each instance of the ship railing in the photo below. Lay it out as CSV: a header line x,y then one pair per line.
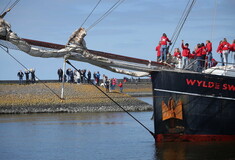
x,y
190,65
193,66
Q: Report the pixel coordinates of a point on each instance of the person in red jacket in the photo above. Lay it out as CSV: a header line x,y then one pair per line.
x,y
158,49
164,47
199,55
209,53
203,48
177,53
185,54
219,51
120,86
225,46
232,49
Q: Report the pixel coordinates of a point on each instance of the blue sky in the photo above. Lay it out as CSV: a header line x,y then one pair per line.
x,y
133,29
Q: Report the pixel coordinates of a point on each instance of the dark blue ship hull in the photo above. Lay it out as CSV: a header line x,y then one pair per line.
x,y
193,106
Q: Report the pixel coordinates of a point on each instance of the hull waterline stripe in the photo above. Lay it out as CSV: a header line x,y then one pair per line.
x,y
194,94
193,138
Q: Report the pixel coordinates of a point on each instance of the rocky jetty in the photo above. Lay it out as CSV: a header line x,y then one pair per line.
x,y
38,98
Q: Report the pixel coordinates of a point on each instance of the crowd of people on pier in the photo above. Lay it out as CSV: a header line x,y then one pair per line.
x,y
82,76
29,76
202,53
77,76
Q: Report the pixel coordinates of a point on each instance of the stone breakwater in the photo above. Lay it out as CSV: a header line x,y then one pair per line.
x,y
37,98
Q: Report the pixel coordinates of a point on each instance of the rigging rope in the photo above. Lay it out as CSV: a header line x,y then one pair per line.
x,y
5,7
106,14
179,23
7,51
214,21
14,4
182,21
114,101
91,13
9,9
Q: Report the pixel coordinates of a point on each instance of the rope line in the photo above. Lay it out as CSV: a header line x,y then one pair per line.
x,y
213,23
182,21
7,51
9,9
106,14
14,4
91,13
114,101
5,7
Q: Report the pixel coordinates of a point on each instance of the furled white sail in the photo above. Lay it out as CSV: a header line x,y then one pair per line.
x,y
75,50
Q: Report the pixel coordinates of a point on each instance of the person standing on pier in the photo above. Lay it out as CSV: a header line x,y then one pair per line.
x,y
120,86
20,74
67,73
27,76
98,78
32,71
84,76
88,77
95,78
164,48
60,74
107,84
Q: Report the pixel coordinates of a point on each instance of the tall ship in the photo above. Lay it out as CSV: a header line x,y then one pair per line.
x,y
188,105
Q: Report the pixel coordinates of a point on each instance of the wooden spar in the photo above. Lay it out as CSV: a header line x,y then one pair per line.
x,y
44,44
98,53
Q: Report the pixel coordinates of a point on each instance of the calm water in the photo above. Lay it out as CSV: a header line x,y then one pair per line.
x,y
99,136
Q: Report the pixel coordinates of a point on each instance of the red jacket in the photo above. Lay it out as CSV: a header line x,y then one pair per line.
x,y
186,51
177,54
224,46
120,84
203,50
219,49
199,52
158,49
191,56
232,47
164,40
209,47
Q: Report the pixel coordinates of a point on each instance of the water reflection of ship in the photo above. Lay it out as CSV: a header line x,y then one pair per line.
x,y
196,150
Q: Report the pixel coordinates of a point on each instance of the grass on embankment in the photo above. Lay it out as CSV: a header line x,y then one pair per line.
x,y
39,94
